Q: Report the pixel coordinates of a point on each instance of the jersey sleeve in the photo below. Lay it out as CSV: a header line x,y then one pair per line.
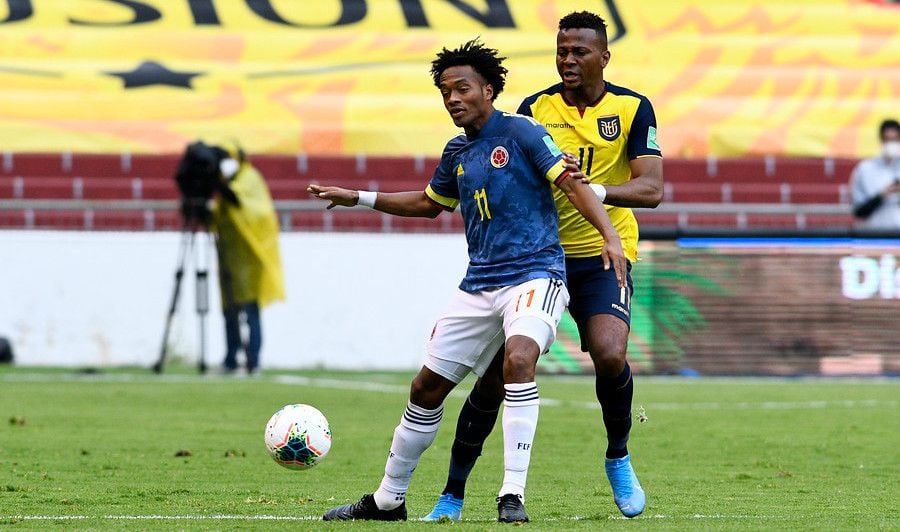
x,y
642,137
545,155
443,189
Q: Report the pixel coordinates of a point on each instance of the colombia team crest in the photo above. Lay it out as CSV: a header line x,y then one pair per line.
x,y
609,127
499,157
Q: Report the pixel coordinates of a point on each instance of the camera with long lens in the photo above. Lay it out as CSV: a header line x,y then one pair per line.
x,y
198,178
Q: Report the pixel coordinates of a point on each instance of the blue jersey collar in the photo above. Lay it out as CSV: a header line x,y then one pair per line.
x,y
489,126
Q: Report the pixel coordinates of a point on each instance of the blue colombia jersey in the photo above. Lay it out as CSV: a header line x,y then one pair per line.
x,y
501,181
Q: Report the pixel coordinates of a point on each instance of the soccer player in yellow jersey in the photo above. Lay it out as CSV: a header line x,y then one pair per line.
x,y
612,132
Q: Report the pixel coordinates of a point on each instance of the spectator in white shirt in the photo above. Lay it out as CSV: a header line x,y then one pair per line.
x,y
876,182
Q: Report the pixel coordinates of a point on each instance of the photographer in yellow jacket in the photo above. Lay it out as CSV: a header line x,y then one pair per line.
x,y
245,225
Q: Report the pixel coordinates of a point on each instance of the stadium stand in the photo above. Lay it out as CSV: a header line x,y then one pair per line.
x,y
137,192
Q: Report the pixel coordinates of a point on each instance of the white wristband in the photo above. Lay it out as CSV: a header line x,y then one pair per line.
x,y
600,191
367,198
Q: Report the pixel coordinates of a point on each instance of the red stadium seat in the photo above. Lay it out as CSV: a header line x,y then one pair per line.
x,y
105,188
159,189
49,188
135,220
167,220
741,171
402,185
276,167
62,219
820,193
768,221
843,168
710,220
830,220
685,171
758,193
288,189
801,170
387,169
696,193
647,217
14,219
35,164
155,166
12,187
100,165
334,169
305,221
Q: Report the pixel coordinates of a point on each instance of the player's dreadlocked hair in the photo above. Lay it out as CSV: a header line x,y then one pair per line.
x,y
476,55
584,19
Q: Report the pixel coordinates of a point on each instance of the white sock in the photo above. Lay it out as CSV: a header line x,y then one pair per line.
x,y
520,416
413,435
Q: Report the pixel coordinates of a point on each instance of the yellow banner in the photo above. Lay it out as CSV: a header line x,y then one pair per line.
x,y
727,77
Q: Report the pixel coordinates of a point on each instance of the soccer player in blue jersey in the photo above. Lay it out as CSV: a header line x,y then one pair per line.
x,y
499,172
613,131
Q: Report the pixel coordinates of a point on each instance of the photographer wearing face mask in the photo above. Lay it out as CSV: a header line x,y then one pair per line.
x,y
876,182
245,224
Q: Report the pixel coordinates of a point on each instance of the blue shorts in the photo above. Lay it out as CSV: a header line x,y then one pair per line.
x,y
593,291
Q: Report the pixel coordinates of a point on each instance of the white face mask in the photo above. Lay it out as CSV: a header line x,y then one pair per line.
x,y
229,167
891,149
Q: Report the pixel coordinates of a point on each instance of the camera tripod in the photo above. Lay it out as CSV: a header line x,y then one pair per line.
x,y
201,255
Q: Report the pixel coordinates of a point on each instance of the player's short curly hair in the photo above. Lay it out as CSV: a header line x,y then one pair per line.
x,y
585,19
483,60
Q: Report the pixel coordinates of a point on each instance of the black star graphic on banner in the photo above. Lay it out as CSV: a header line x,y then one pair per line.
x,y
153,73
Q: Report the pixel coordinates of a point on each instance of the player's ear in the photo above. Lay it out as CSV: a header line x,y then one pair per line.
x,y
488,91
604,58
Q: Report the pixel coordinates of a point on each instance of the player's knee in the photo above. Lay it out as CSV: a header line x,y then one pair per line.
x,y
608,356
428,390
518,368
521,359
487,394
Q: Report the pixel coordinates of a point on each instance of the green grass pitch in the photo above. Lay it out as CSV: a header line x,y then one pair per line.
x,y
99,452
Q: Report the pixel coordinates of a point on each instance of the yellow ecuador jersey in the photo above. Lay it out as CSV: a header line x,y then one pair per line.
x,y
619,127
247,243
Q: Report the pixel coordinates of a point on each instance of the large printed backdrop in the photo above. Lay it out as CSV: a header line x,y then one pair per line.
x,y
727,77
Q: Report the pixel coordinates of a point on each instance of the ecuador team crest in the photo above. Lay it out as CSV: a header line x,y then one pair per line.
x,y
499,157
609,127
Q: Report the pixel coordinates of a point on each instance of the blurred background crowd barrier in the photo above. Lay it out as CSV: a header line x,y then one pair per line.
x,y
710,306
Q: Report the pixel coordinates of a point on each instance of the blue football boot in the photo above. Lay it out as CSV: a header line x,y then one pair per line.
x,y
447,507
627,491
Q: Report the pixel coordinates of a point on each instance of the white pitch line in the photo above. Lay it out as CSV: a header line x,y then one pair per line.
x,y
318,518
660,517
162,517
357,385
547,401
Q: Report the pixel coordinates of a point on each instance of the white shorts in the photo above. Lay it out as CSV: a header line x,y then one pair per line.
x,y
476,325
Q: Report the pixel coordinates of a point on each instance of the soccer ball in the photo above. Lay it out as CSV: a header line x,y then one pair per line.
x,y
298,437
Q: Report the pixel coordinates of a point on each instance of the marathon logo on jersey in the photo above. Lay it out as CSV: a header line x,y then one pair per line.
x,y
558,125
609,127
499,157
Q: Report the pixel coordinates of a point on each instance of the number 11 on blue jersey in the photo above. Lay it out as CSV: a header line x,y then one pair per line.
x,y
481,200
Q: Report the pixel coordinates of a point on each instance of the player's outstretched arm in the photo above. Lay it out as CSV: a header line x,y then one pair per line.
x,y
412,203
644,189
588,204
